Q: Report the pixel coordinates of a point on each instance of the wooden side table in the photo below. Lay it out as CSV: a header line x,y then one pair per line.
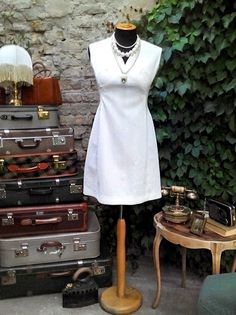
x,y
180,234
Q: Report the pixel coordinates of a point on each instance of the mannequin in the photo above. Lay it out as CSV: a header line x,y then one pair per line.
x,y
122,166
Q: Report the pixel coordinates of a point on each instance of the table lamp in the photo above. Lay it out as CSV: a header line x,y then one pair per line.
x,y
15,70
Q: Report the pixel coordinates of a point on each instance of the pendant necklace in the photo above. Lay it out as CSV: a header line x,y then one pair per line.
x,y
134,50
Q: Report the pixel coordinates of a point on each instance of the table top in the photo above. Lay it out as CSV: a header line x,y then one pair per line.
x,y
183,230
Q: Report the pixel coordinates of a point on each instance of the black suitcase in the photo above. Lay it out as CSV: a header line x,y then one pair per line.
x,y
52,277
57,190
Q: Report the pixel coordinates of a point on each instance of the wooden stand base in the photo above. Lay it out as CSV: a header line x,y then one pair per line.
x,y
127,304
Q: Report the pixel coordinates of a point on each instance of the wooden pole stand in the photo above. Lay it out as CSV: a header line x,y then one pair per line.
x,y
120,299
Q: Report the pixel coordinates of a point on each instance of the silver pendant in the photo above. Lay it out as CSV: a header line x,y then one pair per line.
x,y
124,79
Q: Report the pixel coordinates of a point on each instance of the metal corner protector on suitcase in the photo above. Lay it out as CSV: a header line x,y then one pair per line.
x,y
52,248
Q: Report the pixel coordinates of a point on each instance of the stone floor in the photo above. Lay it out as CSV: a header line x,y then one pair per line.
x,y
174,299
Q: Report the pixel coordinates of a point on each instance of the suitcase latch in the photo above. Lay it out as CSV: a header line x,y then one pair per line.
x,y
9,220
23,252
76,189
72,216
43,114
59,165
58,140
3,194
9,278
1,142
78,246
97,270
1,165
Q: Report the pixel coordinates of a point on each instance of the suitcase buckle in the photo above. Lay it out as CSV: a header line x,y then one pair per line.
x,y
78,246
59,165
1,165
9,278
72,216
23,252
58,140
3,194
97,270
42,114
9,220
75,189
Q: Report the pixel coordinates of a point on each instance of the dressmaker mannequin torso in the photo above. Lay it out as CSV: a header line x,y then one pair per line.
x,y
122,164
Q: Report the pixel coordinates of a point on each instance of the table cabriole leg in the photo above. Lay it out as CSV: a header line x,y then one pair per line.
x,y
156,257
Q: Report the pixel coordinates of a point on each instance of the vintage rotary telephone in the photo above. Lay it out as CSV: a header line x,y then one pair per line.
x,y
177,213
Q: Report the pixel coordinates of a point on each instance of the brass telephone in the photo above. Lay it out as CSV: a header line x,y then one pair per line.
x,y
177,213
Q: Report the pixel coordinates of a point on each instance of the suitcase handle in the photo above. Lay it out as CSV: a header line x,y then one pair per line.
x,y
36,191
86,270
22,145
39,167
26,222
49,244
26,117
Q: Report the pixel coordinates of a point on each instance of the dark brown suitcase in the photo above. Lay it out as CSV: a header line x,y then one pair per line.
x,y
46,219
36,141
40,165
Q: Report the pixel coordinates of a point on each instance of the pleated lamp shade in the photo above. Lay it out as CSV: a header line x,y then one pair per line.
x,y
15,65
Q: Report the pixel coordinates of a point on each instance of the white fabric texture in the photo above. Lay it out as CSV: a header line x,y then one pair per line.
x,y
122,163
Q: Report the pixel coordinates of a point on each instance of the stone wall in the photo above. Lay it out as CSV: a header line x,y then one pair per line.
x,y
58,33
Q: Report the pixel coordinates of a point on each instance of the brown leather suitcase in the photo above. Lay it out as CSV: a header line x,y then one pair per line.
x,y
39,165
44,219
34,141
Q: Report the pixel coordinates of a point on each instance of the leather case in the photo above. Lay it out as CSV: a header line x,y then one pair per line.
x,y
44,91
46,219
36,141
28,280
42,191
49,248
28,117
39,165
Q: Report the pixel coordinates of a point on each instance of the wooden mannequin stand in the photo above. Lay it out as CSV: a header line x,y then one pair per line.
x,y
119,299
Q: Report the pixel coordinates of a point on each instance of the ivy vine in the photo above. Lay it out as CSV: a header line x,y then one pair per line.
x,y
193,97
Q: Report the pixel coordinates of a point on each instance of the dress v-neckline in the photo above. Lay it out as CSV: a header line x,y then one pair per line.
x,y
125,67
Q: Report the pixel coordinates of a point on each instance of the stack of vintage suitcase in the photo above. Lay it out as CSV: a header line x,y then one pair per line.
x,y
47,231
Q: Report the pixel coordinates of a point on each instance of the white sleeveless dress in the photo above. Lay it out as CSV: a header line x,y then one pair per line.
x,y
122,163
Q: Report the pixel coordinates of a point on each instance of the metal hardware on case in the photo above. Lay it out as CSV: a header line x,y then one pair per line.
x,y
1,164
58,140
23,252
3,194
57,163
19,183
72,216
78,246
3,117
9,220
9,278
76,189
98,270
42,114
1,142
